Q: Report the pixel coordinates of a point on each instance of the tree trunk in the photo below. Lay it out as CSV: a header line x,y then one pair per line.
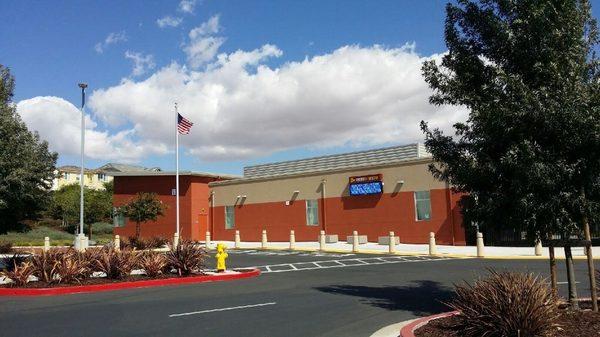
x,y
553,279
138,230
590,258
571,278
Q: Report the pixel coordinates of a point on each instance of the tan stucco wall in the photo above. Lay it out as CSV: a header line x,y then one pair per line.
x,y
415,175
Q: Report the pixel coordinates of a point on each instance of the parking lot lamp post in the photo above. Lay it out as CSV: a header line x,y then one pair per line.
x,y
81,176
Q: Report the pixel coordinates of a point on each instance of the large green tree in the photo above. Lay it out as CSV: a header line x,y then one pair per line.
x,y
26,165
97,206
528,155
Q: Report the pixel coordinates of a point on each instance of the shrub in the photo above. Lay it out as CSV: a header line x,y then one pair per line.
x,y
141,243
44,265
16,259
6,247
186,258
153,263
506,304
116,264
72,267
19,273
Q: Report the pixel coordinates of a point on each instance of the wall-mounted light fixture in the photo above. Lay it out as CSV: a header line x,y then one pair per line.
x,y
400,182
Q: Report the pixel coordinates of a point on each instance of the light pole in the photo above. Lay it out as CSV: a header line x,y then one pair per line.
x,y
80,239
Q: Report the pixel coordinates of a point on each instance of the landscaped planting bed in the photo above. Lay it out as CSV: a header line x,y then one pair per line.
x,y
60,268
510,304
569,324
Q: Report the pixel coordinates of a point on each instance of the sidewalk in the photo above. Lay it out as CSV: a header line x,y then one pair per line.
x,y
421,249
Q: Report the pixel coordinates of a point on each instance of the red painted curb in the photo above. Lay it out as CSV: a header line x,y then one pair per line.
x,y
125,285
409,329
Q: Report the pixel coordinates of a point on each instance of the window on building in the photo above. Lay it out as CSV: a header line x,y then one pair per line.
x,y
312,212
67,175
229,217
101,176
423,205
119,220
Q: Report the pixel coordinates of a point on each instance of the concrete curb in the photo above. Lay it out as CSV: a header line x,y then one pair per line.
x,y
126,285
409,329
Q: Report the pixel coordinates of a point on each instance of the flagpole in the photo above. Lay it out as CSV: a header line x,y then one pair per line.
x,y
177,165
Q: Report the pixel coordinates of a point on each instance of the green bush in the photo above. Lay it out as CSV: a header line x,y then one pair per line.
x,y
506,304
102,228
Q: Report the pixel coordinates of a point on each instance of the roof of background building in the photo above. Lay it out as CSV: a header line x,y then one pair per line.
x,y
172,173
109,169
338,161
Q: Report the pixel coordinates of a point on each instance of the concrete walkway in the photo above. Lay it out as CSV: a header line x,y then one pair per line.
x,y
420,249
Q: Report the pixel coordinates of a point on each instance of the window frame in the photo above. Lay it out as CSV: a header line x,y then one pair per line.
x,y
315,208
416,201
232,210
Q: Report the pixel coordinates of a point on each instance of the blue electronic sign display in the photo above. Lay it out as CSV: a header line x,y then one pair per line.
x,y
375,187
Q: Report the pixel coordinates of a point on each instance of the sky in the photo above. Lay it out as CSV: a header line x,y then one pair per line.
x,y
262,81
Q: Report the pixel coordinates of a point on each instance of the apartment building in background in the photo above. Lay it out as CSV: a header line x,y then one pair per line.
x,y
93,178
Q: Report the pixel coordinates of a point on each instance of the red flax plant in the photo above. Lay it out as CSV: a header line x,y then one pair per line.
x,y
45,265
116,264
186,258
506,304
18,273
153,263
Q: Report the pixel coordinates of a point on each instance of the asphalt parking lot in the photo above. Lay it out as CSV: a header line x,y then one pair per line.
x,y
298,294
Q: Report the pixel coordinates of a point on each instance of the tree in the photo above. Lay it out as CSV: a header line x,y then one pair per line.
x,y
26,165
97,206
142,208
529,153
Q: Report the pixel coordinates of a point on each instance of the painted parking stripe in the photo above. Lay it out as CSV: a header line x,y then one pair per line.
x,y
358,262
222,309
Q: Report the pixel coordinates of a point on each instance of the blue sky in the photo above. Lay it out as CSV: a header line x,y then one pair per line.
x,y
278,69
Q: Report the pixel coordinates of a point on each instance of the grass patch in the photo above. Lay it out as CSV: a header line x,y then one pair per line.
x,y
102,233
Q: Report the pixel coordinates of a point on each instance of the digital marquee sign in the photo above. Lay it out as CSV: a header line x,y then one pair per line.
x,y
366,185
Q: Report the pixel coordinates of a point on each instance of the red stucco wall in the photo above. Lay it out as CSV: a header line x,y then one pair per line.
x,y
192,203
373,216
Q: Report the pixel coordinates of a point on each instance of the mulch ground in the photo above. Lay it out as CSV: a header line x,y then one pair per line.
x,y
570,324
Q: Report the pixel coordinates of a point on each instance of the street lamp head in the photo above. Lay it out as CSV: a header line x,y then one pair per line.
x,y
82,85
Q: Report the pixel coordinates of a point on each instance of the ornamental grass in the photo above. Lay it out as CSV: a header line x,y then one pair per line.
x,y
506,304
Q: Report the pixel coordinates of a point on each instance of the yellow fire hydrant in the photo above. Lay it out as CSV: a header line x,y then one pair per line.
x,y
221,256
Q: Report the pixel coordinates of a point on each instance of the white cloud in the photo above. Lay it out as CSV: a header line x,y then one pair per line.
x,y
112,38
169,21
187,6
59,122
141,63
203,46
241,108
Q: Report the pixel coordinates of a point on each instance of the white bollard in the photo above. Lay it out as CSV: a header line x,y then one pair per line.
x,y
480,245
538,248
292,240
237,239
263,243
175,240
117,242
432,245
82,243
46,244
207,240
322,240
355,242
392,243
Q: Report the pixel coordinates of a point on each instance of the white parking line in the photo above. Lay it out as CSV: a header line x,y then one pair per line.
x,y
223,309
299,266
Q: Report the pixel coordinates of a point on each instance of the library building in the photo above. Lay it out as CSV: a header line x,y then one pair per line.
x,y
372,192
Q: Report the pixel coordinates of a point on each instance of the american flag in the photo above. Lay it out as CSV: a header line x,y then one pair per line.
x,y
183,125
